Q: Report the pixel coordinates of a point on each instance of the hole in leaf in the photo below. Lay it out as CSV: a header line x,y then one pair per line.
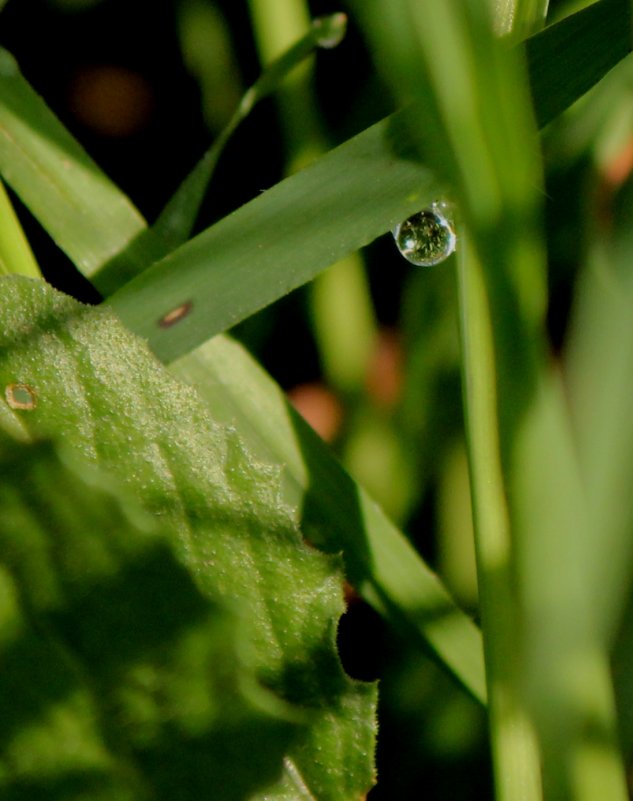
x,y
360,641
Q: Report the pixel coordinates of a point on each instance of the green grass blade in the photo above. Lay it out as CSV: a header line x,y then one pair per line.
x,y
562,661
336,513
206,43
519,18
588,44
86,215
341,203
482,142
344,323
341,309
519,436
16,255
119,237
275,24
277,242
93,222
599,359
176,221
514,747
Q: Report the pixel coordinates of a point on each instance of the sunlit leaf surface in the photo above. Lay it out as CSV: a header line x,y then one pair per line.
x,y
74,373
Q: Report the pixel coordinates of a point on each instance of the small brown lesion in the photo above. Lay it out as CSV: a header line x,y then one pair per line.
x,y
20,396
175,315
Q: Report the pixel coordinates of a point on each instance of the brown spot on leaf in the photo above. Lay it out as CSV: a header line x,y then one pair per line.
x,y
20,396
175,315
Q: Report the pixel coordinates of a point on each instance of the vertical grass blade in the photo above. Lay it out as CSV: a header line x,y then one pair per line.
x,y
519,18
473,120
600,377
470,101
514,745
341,308
16,255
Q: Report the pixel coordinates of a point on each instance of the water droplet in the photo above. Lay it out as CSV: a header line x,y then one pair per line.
x,y
175,315
428,237
330,30
20,396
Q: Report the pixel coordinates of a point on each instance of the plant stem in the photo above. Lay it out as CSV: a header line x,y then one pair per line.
x,y
342,313
277,24
515,754
519,18
545,663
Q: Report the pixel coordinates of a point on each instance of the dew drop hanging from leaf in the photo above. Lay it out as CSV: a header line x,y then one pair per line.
x,y
428,237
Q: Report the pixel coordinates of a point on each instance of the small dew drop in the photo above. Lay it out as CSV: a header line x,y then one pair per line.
x,y
427,238
20,396
331,30
175,315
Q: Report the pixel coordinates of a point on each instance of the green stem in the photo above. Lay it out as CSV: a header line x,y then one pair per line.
x,y
515,754
546,666
16,256
276,24
519,18
342,312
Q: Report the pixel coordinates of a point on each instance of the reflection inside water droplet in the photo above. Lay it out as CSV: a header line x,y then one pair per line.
x,y
427,237
20,396
175,315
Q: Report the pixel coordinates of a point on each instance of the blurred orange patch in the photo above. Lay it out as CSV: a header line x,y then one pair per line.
x,y
113,101
384,379
619,169
319,407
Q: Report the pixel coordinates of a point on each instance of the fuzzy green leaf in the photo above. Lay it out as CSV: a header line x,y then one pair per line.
x,y
22,109
120,680
423,604
335,513
96,386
